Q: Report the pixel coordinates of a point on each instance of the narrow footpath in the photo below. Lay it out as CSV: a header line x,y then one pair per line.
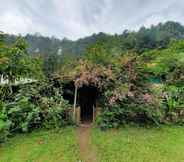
x,y
87,153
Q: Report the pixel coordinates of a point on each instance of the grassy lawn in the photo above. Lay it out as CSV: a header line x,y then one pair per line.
x,y
132,144
129,144
41,146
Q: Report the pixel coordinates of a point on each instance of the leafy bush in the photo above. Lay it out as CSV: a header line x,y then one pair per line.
x,y
54,110
36,105
57,117
129,109
4,130
173,97
130,99
173,103
4,124
22,114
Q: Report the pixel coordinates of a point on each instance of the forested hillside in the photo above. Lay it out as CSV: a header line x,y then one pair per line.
x,y
155,36
54,50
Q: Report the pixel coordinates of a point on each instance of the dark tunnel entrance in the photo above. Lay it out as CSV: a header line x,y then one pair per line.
x,y
68,92
87,97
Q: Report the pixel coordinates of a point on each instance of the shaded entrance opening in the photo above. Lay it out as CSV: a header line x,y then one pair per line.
x,y
87,96
68,92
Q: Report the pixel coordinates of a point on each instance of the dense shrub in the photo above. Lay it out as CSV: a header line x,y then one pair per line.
x,y
36,105
130,99
54,110
57,117
4,123
4,130
137,109
173,103
18,116
155,92
22,114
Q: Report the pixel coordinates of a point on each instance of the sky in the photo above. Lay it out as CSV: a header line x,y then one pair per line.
x,y
79,18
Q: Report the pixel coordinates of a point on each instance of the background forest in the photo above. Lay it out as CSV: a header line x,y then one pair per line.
x,y
53,50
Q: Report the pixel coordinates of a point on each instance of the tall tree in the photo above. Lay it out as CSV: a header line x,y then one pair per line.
x,y
15,63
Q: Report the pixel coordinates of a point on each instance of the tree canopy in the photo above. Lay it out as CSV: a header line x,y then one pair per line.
x,y
15,63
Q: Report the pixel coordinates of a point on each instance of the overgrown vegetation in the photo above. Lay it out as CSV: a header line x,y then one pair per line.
x,y
39,105
28,105
139,77
148,88
143,88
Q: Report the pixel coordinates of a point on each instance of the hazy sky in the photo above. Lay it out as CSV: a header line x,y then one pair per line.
x,y
79,18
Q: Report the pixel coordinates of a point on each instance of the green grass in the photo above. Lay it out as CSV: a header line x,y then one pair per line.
x,y
129,144
41,146
132,144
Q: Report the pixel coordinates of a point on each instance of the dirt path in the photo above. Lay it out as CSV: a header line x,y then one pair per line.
x,y
87,153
